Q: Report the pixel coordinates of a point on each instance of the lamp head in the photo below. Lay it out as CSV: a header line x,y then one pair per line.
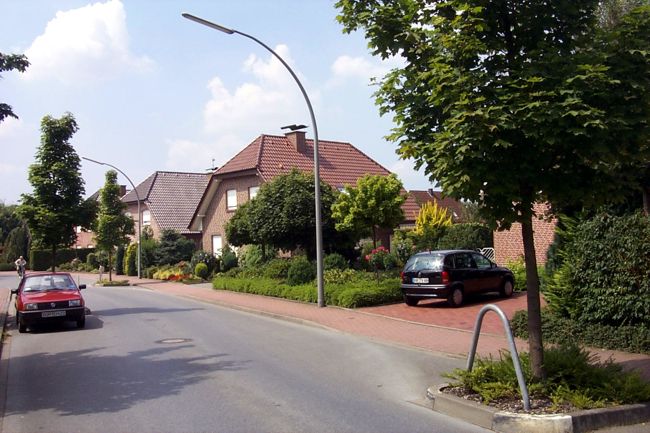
x,y
207,23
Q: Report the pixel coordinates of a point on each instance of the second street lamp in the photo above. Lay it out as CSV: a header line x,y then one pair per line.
x,y
319,228
139,213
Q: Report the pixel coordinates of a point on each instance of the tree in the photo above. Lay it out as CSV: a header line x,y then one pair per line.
x,y
56,206
9,62
173,248
282,216
374,203
17,243
430,224
8,220
511,103
113,227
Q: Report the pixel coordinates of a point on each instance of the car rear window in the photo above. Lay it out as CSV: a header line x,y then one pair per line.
x,y
430,262
48,282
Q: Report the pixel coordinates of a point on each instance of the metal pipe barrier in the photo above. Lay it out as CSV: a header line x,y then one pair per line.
x,y
511,343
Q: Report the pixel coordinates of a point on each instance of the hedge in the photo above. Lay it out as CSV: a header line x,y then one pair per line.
x,y
7,267
556,329
41,260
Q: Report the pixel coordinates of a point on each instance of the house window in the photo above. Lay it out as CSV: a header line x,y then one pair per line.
x,y
77,229
231,199
146,218
252,192
217,245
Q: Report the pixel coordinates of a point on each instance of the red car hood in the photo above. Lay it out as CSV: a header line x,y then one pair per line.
x,y
51,296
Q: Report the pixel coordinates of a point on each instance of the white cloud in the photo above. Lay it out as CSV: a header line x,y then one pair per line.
x,y
6,169
411,179
232,119
357,68
88,43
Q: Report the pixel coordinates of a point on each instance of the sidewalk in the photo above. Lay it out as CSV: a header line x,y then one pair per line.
x,y
432,327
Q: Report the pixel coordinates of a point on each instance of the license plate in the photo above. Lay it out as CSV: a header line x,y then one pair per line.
x,y
420,281
53,314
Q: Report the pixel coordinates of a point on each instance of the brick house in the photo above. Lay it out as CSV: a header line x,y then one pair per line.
x,y
86,239
268,156
167,201
508,244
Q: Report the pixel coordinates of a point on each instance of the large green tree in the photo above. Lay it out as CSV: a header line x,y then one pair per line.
x,y
10,62
9,220
113,227
56,205
508,103
374,203
282,216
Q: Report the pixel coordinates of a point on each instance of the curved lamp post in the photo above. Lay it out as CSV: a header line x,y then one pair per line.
x,y
319,230
136,196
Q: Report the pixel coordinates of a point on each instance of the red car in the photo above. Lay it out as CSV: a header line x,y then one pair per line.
x,y
49,297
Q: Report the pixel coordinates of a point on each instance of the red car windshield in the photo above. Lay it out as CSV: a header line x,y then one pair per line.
x,y
39,283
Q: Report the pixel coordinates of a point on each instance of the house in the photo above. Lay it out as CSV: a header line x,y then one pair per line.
x,y
86,238
167,201
268,156
417,198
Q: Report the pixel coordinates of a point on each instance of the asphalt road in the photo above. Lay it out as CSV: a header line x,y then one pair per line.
x,y
148,362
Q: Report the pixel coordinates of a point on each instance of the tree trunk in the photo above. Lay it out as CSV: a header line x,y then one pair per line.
x,y
110,265
534,305
374,236
53,258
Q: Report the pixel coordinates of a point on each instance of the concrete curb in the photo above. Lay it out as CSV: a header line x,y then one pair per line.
x,y
509,422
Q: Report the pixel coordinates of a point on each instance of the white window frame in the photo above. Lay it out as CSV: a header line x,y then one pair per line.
x,y
253,191
146,217
216,249
231,199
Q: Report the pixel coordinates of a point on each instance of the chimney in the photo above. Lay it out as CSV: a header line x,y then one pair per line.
x,y
431,192
297,140
122,190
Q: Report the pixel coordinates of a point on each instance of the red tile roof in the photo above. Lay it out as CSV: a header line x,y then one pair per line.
x,y
340,163
172,197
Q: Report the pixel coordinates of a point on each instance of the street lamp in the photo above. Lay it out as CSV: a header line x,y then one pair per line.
x,y
137,196
319,230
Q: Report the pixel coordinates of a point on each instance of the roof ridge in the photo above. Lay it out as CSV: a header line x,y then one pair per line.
x,y
180,172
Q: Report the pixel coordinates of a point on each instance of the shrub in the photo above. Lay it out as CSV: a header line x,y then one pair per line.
x,y
210,261
301,271
466,236
276,268
150,271
173,248
402,246
557,329
41,260
130,260
119,260
228,259
376,257
334,261
91,259
390,261
201,270
250,256
7,267
603,277
518,268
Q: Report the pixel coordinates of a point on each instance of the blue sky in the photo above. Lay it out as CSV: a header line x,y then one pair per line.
x,y
151,90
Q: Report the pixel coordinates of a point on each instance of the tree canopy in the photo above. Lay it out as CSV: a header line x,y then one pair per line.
x,y
113,227
375,202
509,103
10,62
56,205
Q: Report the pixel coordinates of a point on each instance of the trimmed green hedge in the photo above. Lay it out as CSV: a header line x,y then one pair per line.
x,y
556,329
360,292
41,260
7,267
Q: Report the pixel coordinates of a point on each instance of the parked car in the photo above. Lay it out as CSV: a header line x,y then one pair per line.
x,y
452,275
49,297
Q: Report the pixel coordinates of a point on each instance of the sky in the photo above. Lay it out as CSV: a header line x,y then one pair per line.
x,y
151,90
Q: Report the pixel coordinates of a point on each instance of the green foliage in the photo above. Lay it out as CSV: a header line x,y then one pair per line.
x,y
250,256
9,220
430,225
375,202
557,329
518,268
173,248
348,288
201,270
574,377
402,246
17,243
131,260
119,260
282,216
207,258
41,260
7,267
603,277
277,269
335,261
10,62
150,271
91,259
466,236
56,205
228,258
301,271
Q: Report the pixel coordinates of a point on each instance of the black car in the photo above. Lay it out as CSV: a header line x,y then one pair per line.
x,y
452,275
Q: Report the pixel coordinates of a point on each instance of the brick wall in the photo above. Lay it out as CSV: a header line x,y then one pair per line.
x,y
217,214
508,244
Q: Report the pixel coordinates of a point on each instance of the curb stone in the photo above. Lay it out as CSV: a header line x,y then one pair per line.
x,y
510,422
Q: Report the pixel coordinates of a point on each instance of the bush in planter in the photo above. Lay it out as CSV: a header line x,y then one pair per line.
x,y
228,259
207,258
201,270
301,271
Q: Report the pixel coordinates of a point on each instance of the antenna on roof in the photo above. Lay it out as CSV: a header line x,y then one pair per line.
x,y
294,127
212,167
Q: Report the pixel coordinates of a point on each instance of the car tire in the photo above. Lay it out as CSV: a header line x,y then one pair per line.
x,y
411,302
81,323
456,297
507,289
21,327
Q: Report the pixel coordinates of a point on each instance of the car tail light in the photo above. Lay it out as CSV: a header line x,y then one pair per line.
x,y
445,277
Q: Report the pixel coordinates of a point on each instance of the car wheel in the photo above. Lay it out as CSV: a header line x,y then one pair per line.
x,y
456,297
411,302
21,327
507,289
81,323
